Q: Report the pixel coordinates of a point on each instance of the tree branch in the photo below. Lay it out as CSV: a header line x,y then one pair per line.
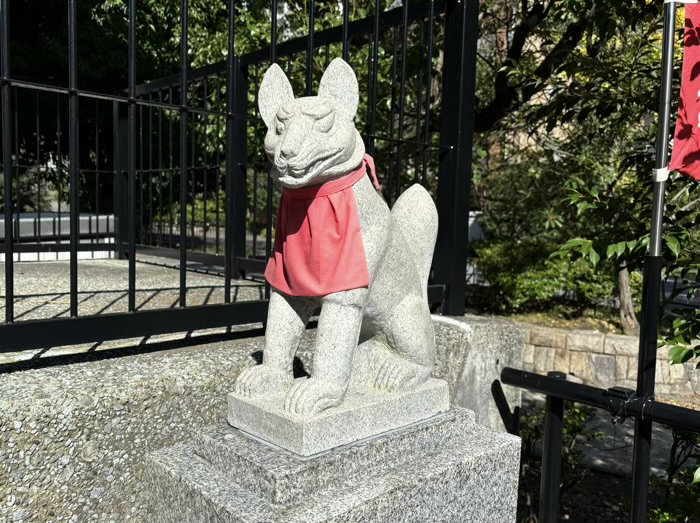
x,y
506,99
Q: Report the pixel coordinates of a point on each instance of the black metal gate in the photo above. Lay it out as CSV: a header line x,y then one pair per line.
x,y
187,174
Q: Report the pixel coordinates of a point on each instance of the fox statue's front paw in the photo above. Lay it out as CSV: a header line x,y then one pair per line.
x,y
399,374
263,379
313,395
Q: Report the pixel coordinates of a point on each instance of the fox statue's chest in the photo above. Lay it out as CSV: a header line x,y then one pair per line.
x,y
318,247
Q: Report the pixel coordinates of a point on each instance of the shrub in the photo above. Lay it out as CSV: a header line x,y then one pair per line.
x,y
524,278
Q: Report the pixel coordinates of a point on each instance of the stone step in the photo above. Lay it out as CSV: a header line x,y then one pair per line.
x,y
469,473
284,478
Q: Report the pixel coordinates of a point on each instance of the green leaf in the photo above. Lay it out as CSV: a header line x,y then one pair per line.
x,y
696,476
679,354
594,257
586,248
611,251
620,249
673,245
583,206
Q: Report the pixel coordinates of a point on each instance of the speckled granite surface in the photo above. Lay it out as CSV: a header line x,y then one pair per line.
x,y
364,412
285,479
451,469
73,437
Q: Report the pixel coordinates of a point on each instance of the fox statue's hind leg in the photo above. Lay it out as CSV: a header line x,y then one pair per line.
x,y
400,293
412,338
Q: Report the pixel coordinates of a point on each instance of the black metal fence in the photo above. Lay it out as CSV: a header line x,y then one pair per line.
x,y
621,403
179,160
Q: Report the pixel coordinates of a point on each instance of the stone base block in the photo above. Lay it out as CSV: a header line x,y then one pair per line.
x,y
446,469
365,412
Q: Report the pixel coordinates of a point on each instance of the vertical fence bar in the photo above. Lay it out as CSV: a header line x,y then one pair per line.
x,y
120,182
270,186
402,99
256,164
73,157
310,49
193,168
59,164
459,80
346,37
17,167
97,171
7,161
205,159
37,164
141,178
551,456
375,73
150,170
220,109
240,160
183,152
171,172
419,102
273,32
131,191
392,141
429,92
228,218
646,371
160,170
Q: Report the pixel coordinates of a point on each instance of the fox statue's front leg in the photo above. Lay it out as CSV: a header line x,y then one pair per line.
x,y
289,316
337,334
336,339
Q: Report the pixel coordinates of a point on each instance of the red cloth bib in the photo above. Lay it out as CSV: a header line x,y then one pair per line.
x,y
686,141
318,242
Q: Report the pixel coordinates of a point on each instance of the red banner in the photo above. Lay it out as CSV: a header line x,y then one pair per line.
x,y
686,142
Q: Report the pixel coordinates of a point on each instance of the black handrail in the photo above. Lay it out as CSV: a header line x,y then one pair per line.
x,y
622,403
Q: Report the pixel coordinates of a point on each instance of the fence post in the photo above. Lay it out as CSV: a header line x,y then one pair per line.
x,y
455,173
551,456
120,122
651,295
238,184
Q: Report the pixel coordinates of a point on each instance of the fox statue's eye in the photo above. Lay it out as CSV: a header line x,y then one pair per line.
x,y
280,127
324,124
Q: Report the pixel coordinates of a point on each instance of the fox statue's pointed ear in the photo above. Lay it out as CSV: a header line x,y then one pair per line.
x,y
339,82
275,91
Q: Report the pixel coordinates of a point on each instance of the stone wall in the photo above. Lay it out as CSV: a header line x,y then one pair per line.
x,y
602,360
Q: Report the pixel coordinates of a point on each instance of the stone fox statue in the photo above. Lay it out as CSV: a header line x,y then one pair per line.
x,y
339,246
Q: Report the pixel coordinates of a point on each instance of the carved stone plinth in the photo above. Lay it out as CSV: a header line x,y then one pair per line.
x,y
447,468
365,412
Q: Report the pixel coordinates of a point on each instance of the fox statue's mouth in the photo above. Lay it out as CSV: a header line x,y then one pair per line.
x,y
286,170
303,171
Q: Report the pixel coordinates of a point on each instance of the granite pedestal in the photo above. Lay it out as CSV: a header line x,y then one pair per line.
x,y
446,468
365,412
